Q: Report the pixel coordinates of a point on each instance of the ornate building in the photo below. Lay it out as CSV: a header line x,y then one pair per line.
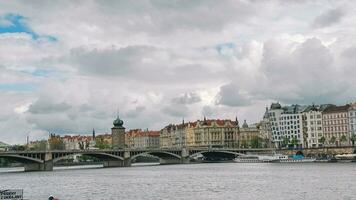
x,y
352,121
139,139
250,136
202,133
336,125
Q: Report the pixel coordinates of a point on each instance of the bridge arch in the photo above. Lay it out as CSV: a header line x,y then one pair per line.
x,y
215,151
159,154
100,155
21,158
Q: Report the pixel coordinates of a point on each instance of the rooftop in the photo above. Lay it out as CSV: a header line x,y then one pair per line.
x,y
337,109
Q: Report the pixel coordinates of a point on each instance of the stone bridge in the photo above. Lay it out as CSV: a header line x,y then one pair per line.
x,y
45,160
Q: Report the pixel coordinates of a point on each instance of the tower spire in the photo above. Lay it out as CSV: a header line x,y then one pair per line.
x,y
93,134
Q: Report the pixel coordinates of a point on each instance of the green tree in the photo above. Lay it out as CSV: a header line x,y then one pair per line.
x,y
343,139
101,144
294,141
322,140
285,141
353,139
56,143
39,146
332,140
243,144
256,142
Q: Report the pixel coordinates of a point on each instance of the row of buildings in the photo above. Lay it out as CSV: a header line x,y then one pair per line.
x,y
281,126
201,133
310,126
212,133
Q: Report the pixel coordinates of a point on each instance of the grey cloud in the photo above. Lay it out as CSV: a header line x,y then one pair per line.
x,y
110,62
328,18
135,112
207,111
139,63
157,16
176,110
45,107
187,98
304,75
230,95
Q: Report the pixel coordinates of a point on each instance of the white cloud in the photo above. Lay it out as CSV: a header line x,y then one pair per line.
x,y
160,61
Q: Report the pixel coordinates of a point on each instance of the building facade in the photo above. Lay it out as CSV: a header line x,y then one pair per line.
x,y
313,131
286,125
250,136
265,130
336,125
352,120
138,139
202,133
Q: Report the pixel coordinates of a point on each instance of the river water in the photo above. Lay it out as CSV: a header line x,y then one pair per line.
x,y
195,181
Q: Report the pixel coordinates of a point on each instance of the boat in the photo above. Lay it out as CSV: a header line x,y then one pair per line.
x,y
256,158
248,159
294,159
346,158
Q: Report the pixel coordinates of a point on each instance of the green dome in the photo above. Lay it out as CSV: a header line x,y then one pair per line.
x,y
118,122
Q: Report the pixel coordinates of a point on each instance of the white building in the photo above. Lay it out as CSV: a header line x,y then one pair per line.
x,y
352,119
313,131
286,125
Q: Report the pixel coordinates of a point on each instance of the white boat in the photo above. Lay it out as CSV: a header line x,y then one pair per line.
x,y
248,159
294,159
256,158
346,157
291,160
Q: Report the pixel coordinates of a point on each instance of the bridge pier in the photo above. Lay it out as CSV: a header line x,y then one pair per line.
x,y
47,165
169,161
117,163
113,163
31,167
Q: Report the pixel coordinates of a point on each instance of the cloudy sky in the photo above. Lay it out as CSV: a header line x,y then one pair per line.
x,y
69,66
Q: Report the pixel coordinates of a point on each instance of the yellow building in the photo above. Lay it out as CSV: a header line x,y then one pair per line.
x,y
251,137
201,133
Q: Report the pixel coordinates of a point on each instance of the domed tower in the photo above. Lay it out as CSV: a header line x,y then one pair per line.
x,y
245,125
118,134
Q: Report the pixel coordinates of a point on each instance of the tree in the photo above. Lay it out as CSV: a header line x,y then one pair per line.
x,y
256,142
39,146
56,144
294,141
343,139
243,144
332,140
81,145
285,141
101,144
353,139
322,140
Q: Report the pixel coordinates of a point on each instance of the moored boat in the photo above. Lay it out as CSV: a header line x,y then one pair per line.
x,y
346,157
295,159
248,159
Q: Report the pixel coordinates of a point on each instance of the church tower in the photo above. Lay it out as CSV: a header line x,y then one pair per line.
x,y
118,134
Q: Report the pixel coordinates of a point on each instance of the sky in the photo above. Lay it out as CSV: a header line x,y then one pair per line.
x,y
67,67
